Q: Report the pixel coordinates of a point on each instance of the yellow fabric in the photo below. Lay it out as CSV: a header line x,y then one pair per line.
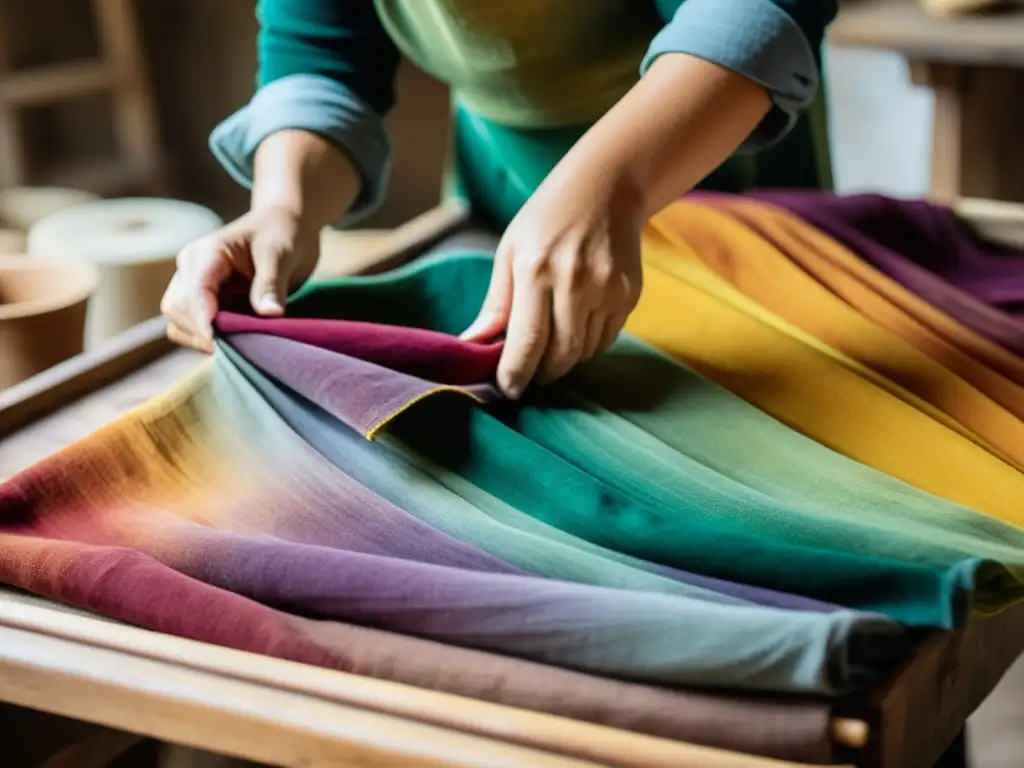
x,y
694,316
773,272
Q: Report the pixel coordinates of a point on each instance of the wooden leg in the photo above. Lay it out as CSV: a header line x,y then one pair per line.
x,y
956,755
979,116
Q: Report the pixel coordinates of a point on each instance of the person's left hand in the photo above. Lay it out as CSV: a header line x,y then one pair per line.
x,y
567,274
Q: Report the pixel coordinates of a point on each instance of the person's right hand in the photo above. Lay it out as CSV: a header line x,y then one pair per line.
x,y
270,251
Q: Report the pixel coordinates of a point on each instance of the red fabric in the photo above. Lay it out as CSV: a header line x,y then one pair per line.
x,y
429,355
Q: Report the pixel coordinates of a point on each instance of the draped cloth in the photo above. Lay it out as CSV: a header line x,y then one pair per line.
x,y
750,491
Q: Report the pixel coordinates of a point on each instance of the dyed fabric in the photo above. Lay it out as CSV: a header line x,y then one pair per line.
x,y
740,494
928,250
216,487
900,310
704,322
771,258
687,516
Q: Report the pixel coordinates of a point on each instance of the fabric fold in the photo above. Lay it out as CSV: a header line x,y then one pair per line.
x,y
927,249
788,461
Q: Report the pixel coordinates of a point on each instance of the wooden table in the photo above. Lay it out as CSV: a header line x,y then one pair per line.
x,y
54,659
975,68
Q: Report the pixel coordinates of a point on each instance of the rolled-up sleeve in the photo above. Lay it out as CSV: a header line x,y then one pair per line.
x,y
775,43
326,67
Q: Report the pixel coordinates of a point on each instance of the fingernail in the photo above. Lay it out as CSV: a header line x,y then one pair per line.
x,y
269,303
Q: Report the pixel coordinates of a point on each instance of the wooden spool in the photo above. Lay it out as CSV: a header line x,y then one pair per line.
x,y
22,207
133,242
12,241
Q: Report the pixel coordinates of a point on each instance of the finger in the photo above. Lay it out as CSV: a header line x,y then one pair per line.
x,y
570,319
613,327
495,311
269,283
526,338
176,306
202,269
185,339
595,334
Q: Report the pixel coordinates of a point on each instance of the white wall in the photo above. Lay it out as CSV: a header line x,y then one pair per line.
x,y
880,124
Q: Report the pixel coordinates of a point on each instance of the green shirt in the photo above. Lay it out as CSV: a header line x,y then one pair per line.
x,y
329,66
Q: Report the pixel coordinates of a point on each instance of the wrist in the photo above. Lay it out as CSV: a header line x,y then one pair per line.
x,y
305,175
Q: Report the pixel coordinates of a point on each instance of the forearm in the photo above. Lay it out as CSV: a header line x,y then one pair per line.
x,y
306,174
683,119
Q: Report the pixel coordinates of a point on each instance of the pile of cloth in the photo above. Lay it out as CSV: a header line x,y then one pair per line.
x,y
806,449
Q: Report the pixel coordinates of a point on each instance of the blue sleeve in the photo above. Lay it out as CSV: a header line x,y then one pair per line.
x,y
327,67
775,43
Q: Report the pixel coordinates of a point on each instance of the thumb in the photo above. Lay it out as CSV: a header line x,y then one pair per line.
x,y
268,291
494,313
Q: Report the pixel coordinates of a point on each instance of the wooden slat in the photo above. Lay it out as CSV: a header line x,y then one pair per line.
x,y
552,734
57,82
230,716
54,388
901,25
924,706
135,114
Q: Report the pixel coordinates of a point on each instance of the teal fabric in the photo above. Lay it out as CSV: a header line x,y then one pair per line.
x,y
682,473
637,630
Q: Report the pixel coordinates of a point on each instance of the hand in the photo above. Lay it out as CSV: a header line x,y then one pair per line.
x,y
268,251
566,276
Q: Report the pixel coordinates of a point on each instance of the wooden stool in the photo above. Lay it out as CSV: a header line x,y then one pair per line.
x,y
974,66
120,74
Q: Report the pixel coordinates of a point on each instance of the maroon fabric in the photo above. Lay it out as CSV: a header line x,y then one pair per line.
x,y
428,355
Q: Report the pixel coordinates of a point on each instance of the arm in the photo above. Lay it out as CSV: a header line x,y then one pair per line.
x,y
721,76
775,43
311,146
326,70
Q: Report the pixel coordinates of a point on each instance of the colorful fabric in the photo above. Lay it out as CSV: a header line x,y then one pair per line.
x,y
703,321
751,490
925,247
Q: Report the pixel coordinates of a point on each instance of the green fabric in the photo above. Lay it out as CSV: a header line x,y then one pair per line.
x,y
527,63
683,473
495,169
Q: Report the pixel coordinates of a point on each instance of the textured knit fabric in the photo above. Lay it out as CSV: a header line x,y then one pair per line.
x,y
523,65
928,250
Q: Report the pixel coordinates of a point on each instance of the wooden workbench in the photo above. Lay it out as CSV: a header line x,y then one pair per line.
x,y
974,66
57,660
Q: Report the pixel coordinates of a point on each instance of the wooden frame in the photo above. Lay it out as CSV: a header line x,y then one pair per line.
x,y
974,67
58,660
